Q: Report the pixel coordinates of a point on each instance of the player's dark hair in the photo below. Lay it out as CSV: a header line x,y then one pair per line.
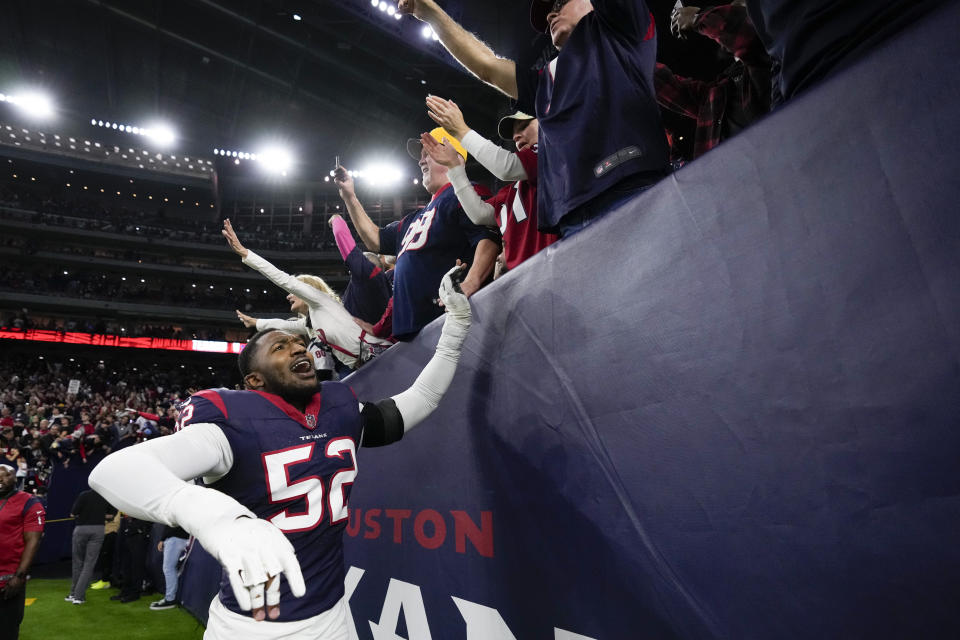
x,y
249,354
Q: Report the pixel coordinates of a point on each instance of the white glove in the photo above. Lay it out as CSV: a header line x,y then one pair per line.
x,y
253,552
453,298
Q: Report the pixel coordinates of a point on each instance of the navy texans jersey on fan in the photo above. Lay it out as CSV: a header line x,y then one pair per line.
x,y
427,244
295,470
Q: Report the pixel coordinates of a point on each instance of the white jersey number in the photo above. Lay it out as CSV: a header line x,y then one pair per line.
x,y
277,463
416,235
519,213
341,479
186,414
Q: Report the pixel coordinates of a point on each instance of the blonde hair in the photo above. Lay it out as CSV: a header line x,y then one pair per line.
x,y
317,283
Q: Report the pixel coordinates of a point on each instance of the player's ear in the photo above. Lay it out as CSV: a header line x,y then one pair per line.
x,y
253,380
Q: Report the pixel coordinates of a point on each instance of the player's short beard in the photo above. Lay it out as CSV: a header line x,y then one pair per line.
x,y
289,392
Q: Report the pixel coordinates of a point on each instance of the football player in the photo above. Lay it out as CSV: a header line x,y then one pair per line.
x,y
278,462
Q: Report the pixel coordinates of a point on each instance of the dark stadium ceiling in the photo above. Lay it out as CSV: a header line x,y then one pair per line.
x,y
345,79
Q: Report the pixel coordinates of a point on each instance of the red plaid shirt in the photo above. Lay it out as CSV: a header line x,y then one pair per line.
x,y
745,87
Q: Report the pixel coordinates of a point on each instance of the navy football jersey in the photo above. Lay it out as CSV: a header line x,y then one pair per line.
x,y
295,470
427,245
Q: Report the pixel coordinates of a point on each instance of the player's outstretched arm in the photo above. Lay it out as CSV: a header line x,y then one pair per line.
x,y
386,421
423,396
469,51
149,481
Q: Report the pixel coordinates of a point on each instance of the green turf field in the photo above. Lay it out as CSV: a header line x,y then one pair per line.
x,y
48,617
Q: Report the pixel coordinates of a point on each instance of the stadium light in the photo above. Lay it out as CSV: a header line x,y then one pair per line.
x,y
160,133
379,175
275,160
297,17
34,104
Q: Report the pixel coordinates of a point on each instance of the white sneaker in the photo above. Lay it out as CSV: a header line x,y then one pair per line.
x,y
68,599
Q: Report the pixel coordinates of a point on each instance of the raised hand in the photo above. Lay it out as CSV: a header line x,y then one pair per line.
x,y
443,154
344,183
233,240
248,321
447,114
419,9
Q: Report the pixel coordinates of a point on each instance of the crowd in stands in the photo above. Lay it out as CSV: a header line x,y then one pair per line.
x,y
90,215
118,404
22,320
93,284
31,246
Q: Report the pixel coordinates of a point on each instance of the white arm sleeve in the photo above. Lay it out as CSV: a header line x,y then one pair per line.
x,y
150,480
473,205
298,326
497,160
417,402
284,280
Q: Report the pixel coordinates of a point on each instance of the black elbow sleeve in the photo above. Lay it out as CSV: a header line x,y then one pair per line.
x,y
382,423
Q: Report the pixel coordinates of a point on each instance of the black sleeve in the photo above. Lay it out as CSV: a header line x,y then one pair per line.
x,y
382,423
527,81
529,64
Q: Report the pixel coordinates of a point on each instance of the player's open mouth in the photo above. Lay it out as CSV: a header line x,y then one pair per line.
x,y
302,367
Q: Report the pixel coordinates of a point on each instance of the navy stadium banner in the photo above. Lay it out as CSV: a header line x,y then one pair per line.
x,y
730,409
